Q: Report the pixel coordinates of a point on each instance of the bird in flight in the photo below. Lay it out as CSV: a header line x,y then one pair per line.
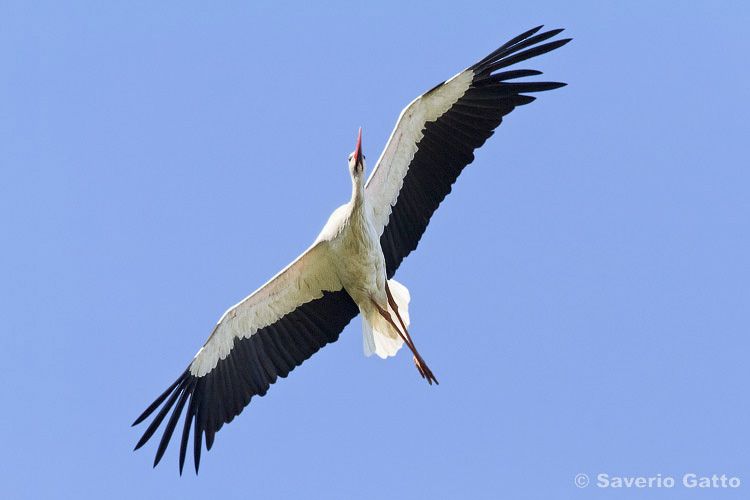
x,y
349,268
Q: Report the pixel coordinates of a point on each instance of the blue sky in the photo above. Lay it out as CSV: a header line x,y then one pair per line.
x,y
582,295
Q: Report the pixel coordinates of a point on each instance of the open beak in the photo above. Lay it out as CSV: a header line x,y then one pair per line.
x,y
358,151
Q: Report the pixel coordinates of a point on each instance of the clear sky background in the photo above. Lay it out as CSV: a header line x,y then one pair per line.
x,y
583,295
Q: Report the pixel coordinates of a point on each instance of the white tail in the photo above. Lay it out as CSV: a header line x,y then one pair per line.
x,y
381,338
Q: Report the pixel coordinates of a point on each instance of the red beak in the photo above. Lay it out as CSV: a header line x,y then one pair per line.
x,y
358,151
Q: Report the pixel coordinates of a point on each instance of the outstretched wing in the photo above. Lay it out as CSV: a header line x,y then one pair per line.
x,y
263,337
435,138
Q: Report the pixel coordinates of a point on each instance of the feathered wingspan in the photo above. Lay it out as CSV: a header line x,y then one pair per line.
x,y
304,307
263,337
435,137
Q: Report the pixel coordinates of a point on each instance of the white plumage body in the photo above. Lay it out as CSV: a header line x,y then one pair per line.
x,y
357,259
360,266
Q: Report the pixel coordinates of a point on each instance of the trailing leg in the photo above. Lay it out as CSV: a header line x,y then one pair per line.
x,y
418,360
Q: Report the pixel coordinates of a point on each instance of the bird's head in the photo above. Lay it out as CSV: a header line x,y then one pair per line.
x,y
357,159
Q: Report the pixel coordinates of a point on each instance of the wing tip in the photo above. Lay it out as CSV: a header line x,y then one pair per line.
x,y
509,54
180,387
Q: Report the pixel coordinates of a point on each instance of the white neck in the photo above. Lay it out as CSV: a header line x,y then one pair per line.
x,y
358,191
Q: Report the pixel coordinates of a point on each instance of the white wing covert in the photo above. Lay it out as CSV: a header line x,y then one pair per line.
x,y
305,279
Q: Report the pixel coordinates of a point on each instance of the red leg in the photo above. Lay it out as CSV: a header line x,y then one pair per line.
x,y
418,360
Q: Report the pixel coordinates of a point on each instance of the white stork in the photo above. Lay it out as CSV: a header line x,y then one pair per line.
x,y
349,268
